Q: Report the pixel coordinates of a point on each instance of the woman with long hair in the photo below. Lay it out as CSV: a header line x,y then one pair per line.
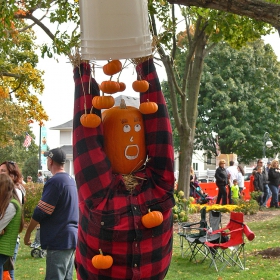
x,y
11,169
240,178
11,219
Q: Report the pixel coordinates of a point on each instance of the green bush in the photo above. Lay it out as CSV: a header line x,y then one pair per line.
x,y
33,195
181,208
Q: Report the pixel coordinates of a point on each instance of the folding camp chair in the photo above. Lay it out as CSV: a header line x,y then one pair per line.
x,y
197,241
231,252
186,229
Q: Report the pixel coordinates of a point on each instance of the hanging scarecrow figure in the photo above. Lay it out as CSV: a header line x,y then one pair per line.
x,y
119,211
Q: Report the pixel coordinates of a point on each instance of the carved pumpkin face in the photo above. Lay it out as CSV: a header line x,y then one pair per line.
x,y
124,138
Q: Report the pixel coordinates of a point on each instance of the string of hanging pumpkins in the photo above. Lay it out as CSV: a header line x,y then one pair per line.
x,y
110,87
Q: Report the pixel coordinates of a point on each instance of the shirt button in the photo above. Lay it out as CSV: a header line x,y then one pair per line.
x,y
102,223
136,245
135,265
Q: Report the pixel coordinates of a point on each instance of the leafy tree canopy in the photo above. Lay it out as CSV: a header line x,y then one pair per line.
x,y
20,81
20,154
239,101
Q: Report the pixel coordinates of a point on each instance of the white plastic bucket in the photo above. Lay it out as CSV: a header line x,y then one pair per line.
x,y
114,29
121,49
116,42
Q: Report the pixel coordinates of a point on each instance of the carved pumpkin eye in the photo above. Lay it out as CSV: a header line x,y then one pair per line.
x,y
126,128
137,127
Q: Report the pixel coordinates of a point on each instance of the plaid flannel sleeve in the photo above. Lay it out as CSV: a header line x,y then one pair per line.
x,y
92,168
158,129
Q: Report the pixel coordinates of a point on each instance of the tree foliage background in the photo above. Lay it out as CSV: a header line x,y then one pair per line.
x,y
238,101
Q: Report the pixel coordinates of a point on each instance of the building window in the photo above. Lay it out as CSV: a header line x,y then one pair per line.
x,y
209,160
195,166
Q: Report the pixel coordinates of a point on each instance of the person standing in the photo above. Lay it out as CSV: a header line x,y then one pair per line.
x,y
266,189
40,179
235,191
11,169
232,175
221,182
274,181
57,213
240,179
11,219
192,181
252,178
258,183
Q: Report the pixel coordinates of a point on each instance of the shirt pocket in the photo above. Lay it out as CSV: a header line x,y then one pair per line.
x,y
102,225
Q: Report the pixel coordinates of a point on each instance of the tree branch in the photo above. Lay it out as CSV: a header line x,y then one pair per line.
x,y
255,9
7,74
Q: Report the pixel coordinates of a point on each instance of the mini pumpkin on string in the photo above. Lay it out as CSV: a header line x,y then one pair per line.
x,y
101,261
109,87
103,102
112,67
148,107
90,120
152,219
122,86
140,85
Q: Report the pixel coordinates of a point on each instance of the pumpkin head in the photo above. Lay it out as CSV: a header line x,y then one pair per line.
x,y
140,85
101,261
90,120
152,219
112,67
148,107
124,138
103,102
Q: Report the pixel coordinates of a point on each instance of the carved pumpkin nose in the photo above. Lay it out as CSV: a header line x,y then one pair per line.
x,y
131,139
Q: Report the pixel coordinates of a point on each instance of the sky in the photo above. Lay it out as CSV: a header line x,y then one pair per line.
x,y
58,95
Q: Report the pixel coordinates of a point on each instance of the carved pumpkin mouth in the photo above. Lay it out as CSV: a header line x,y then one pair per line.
x,y
131,152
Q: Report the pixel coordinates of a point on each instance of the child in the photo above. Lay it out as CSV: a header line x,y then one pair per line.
x,y
234,191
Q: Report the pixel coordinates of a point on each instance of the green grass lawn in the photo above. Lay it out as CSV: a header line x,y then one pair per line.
x,y
257,268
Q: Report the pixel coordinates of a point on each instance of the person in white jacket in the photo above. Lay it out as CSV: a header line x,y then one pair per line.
x,y
232,175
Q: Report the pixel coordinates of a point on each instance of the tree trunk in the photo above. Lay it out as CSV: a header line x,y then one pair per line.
x,y
185,160
188,120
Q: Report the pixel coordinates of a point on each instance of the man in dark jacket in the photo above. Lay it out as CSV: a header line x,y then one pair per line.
x,y
221,182
258,183
266,191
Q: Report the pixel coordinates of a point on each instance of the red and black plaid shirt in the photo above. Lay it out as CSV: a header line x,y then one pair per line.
x,y
110,215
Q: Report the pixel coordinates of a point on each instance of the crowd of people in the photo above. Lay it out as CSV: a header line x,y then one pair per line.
x,y
264,179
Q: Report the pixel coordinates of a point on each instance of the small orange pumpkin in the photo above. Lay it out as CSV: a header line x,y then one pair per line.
x,y
140,86
148,107
103,102
101,261
110,87
112,67
90,120
152,219
122,86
